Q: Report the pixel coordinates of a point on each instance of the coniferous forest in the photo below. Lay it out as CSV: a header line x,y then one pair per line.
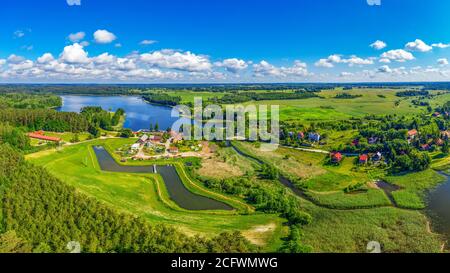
x,y
40,213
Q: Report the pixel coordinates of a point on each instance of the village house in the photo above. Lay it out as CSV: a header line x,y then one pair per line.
x,y
156,139
377,156
363,159
412,134
173,150
143,139
425,147
135,147
336,157
355,142
436,114
445,135
300,135
40,136
439,142
315,137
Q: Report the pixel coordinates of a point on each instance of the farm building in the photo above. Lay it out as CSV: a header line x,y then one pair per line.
x,y
143,139
314,137
156,139
377,156
363,159
135,147
336,157
412,134
40,135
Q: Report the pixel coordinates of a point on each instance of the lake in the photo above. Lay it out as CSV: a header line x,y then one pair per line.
x,y
438,208
139,114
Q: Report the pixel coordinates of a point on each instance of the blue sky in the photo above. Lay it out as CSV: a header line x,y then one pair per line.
x,y
224,41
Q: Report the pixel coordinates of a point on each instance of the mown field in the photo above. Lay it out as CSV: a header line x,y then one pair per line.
x,y
326,107
145,195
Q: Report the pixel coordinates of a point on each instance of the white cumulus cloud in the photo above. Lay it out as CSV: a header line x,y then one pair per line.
x,y
46,58
265,69
378,45
418,45
398,55
74,54
232,65
103,36
173,59
442,61
440,45
76,37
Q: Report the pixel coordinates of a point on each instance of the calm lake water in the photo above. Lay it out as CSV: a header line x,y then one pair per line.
x,y
177,191
139,114
439,208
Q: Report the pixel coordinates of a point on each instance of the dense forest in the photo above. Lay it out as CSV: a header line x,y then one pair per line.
x,y
346,96
242,97
99,118
412,93
40,213
29,101
162,98
44,119
15,137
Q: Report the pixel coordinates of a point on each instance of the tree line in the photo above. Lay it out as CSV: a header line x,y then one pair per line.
x,y
29,101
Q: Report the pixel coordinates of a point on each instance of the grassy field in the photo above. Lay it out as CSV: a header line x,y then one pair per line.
x,y
310,168
226,163
66,137
325,108
397,230
145,195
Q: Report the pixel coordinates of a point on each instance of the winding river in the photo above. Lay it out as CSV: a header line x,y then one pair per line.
x,y
177,191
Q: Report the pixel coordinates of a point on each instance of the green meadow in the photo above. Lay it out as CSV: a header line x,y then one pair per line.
x,y
145,195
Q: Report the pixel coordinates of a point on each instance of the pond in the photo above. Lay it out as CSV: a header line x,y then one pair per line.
x,y
139,114
438,208
175,187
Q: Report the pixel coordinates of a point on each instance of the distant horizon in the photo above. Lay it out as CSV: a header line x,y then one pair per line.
x,y
232,83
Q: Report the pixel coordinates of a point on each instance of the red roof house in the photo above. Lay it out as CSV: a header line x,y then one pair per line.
x,y
363,159
40,136
425,147
439,142
336,157
412,133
